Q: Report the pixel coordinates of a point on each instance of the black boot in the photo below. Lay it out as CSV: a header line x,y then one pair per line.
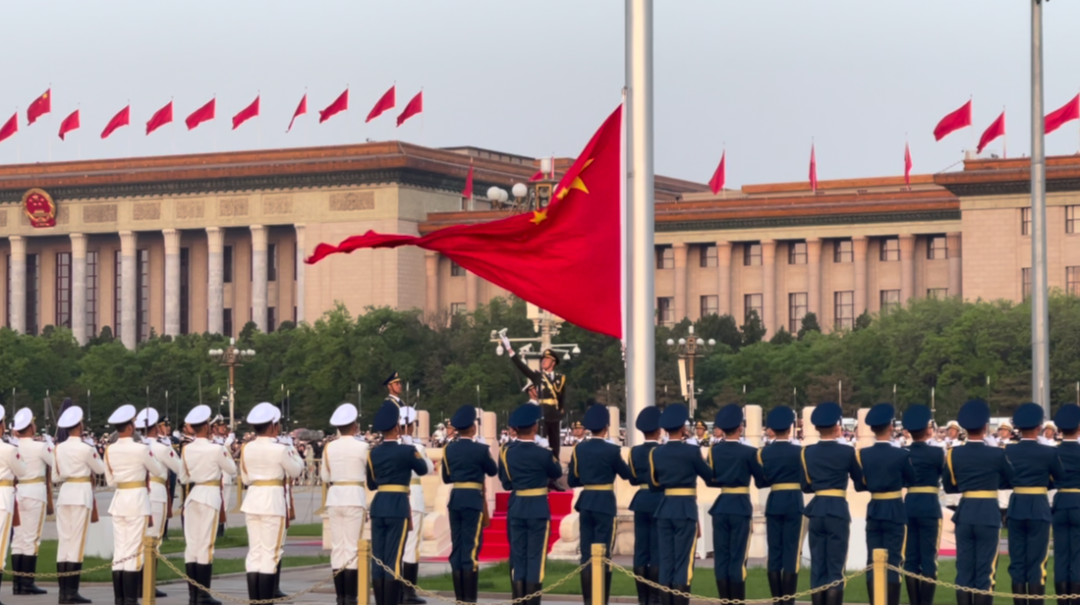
x,y
666,597
1019,589
253,586
268,586
642,588
455,575
151,568
982,599
723,588
1061,588
276,590
607,586
892,591
586,585
818,598
392,592
676,600
132,589
352,590
776,584
191,570
737,590
518,589
531,588
411,572
339,585
926,592
377,587
654,594
835,595
1036,589
30,565
16,581
74,598
470,585
914,590
205,572
964,598
789,582
118,587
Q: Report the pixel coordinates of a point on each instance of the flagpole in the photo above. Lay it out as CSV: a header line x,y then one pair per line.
x,y
1040,343
640,338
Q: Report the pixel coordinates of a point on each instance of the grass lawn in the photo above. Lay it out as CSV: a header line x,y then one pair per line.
x,y
235,537
497,579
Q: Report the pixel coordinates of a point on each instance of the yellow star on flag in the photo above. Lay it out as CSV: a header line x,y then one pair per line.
x,y
577,183
539,216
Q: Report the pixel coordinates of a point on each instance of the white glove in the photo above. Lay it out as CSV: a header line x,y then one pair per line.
x,y
406,439
506,345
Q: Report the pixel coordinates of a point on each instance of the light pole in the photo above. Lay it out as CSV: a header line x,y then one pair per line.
x,y
690,348
231,357
535,195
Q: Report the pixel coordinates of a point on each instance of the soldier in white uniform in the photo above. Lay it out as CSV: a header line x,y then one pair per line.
x,y
265,465
203,465
157,439
410,560
34,496
344,461
221,435
76,461
11,468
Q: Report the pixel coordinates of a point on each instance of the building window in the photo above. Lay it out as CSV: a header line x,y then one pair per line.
x,y
1070,219
665,310
710,305
271,319
708,256
271,262
755,303
142,289
227,265
185,289
456,270
937,293
1025,278
1072,281
63,289
796,253
665,257
33,287
457,308
797,308
751,255
843,251
1025,221
91,294
890,301
937,248
844,310
226,322
890,249
118,294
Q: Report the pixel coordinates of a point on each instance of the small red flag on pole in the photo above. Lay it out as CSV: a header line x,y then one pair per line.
x,y
384,103
10,127
415,106
539,176
122,118
961,118
467,192
719,178
203,114
1066,113
995,130
246,114
41,106
160,118
339,105
70,123
301,109
907,165
813,169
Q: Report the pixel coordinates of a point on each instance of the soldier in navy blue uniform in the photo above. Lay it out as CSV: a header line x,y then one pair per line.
x,y
527,469
393,389
644,505
922,505
1035,470
827,465
781,462
465,464
886,519
390,468
593,466
675,467
1067,504
732,464
977,471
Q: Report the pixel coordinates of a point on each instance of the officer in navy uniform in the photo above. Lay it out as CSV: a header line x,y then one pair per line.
x,y
675,467
827,465
465,464
781,462
393,389
390,468
644,504
593,466
922,505
1035,470
527,469
1067,504
886,518
976,471
552,388
732,464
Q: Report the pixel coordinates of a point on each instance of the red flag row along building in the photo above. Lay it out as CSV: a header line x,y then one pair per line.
x,y
43,105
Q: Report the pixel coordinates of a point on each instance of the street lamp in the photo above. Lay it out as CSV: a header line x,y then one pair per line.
x,y
534,195
231,357
689,349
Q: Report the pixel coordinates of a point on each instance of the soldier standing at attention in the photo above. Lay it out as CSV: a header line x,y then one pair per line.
x,y
922,505
76,462
552,388
465,465
1035,469
827,465
1067,504
34,497
344,461
11,468
411,558
886,518
148,421
978,472
393,389
644,505
675,467
593,465
732,464
785,526
391,465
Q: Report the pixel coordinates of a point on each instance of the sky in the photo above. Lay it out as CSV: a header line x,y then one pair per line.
x,y
760,79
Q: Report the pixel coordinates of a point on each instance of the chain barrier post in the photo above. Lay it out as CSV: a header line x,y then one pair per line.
x,y
597,565
881,559
363,571
149,557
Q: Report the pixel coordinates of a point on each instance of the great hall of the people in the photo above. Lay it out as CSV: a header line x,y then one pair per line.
x,y
197,243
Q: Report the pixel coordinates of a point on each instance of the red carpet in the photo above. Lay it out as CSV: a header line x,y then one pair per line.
x,y
495,545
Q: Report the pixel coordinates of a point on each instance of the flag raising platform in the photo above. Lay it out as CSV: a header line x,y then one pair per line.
x,y
496,546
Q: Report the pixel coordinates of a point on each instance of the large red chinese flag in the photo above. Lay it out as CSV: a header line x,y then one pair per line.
x,y
995,130
203,114
415,106
122,118
70,123
246,114
577,239
384,103
41,106
719,178
339,105
301,109
160,118
1068,112
10,127
961,118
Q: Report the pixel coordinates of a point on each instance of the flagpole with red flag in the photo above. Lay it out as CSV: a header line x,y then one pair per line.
x,y
907,165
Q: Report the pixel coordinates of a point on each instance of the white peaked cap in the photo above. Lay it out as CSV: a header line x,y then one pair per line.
x,y
344,415
124,413
198,415
72,416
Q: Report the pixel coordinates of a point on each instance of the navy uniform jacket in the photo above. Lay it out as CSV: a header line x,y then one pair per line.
x,y
1033,465
1069,456
781,462
526,465
976,466
928,462
466,461
391,463
677,465
891,472
645,500
732,465
551,389
827,465
596,462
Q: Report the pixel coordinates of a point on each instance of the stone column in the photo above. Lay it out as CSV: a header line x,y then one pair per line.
x,y
907,268
215,290
78,288
859,250
431,300
680,281
258,276
813,277
723,278
172,281
956,287
754,435
128,296
301,267
472,291
17,283
768,285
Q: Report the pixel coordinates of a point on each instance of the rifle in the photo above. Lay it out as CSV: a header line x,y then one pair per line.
x,y
49,509
291,516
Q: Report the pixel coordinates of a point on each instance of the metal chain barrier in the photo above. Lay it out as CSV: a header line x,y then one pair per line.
x,y
233,599
67,574
979,591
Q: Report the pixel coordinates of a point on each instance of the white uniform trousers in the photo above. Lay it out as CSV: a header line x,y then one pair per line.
x,y
346,526
412,542
27,537
72,521
200,532
157,528
128,535
266,533
5,540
